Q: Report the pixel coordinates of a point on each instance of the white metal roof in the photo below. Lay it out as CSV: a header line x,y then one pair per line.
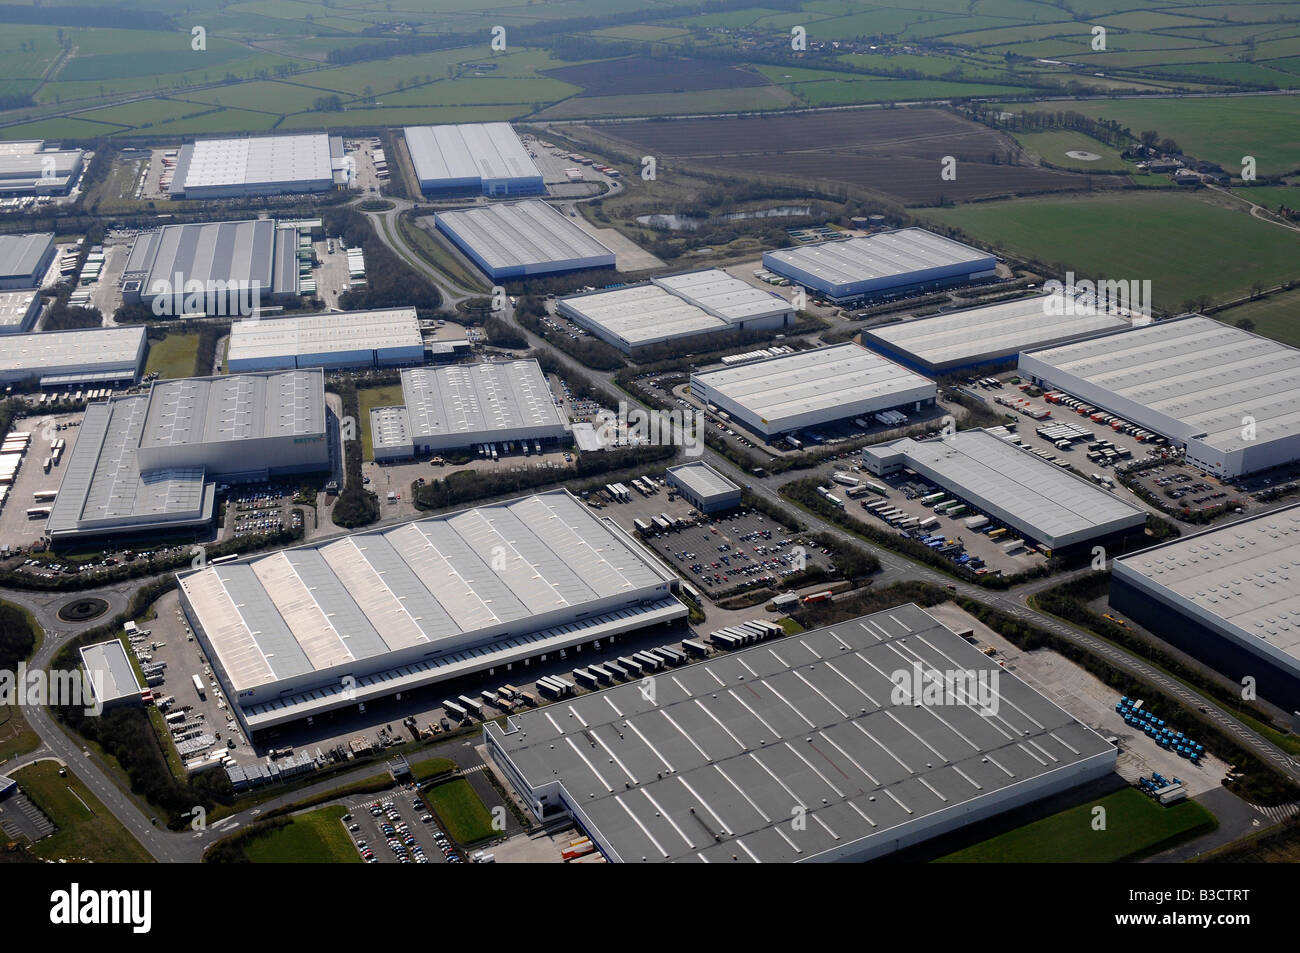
x,y
110,671
1207,374
879,256
259,160
489,150
522,233
702,480
269,338
718,293
88,349
238,407
469,399
643,314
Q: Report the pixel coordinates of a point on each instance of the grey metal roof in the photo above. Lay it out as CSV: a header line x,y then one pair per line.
x,y
522,233
332,332
1196,370
478,399
1006,328
1048,502
715,762
488,150
206,253
16,307
718,293
1246,573
817,379
20,255
642,314
883,255
702,480
238,407
110,671
72,352
426,581
259,160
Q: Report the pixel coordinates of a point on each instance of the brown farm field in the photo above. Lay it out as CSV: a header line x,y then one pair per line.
x,y
643,74
895,153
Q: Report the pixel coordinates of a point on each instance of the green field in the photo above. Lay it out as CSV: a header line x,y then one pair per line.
x,y
462,811
431,767
1135,825
317,837
86,829
1277,317
1052,147
1149,235
173,356
368,397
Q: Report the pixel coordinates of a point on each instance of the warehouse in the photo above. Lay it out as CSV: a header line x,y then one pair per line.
x,y
24,260
59,358
215,269
1231,398
808,388
468,405
28,168
385,338
355,619
883,265
111,674
150,462
18,311
825,727
676,308
1043,503
704,487
259,165
1227,596
966,339
480,158
522,240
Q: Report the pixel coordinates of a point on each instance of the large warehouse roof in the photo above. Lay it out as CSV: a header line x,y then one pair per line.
x,y
168,260
281,341
990,332
723,759
887,255
444,583
1202,376
253,163
810,381
82,354
718,293
241,407
1246,574
521,238
21,255
468,153
1020,488
478,399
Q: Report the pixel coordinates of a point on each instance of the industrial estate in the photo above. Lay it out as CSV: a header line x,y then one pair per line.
x,y
623,482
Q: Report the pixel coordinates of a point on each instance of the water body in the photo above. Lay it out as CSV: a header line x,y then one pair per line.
x,y
690,223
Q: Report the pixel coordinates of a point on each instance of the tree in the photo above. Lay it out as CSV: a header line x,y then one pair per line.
x,y
1149,138
1246,324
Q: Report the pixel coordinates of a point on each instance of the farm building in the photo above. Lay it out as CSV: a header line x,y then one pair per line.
x,y
148,463
216,268
18,311
57,358
258,165
808,388
521,240
966,339
24,259
1227,596
111,674
485,158
384,338
883,265
486,589
704,487
28,168
708,768
1229,397
1041,502
675,308
467,405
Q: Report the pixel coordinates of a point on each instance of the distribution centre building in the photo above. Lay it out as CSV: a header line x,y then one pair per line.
x,y
883,265
18,311
1043,503
813,387
486,158
259,165
332,624
517,240
28,168
24,260
704,487
1229,596
214,268
1231,398
675,308
966,339
467,405
827,725
59,358
111,674
383,338
150,462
